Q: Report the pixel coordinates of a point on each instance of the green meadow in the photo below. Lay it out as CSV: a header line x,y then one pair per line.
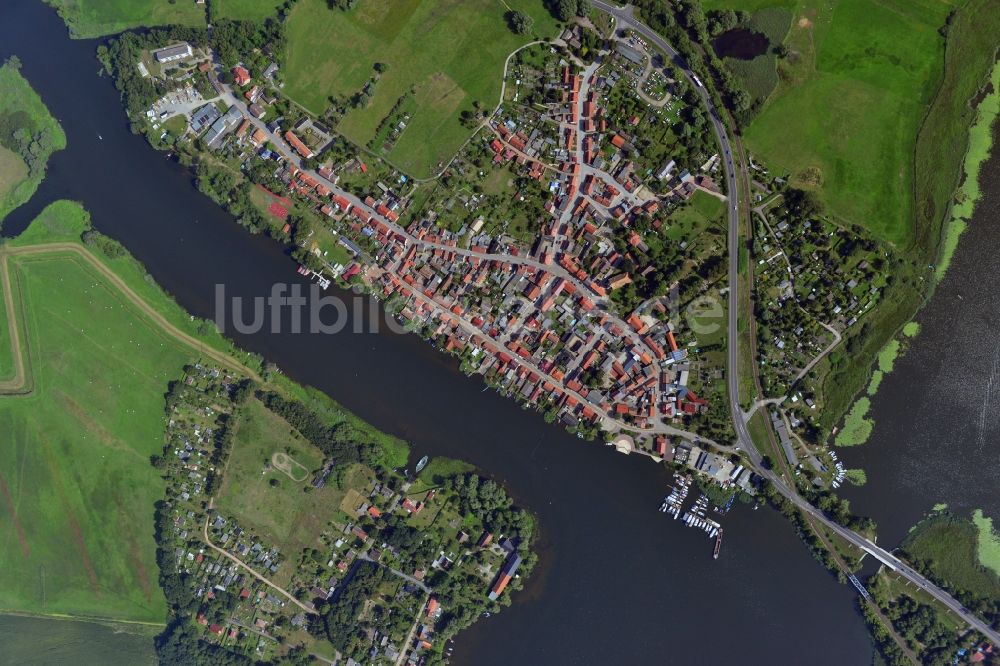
x,y
267,499
245,10
853,95
442,55
22,109
76,485
94,18
75,478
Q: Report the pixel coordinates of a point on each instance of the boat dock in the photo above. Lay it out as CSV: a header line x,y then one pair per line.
x,y
672,502
697,513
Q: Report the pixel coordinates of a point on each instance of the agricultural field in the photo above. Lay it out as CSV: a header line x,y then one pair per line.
x,y
439,58
853,94
95,18
75,476
76,483
25,126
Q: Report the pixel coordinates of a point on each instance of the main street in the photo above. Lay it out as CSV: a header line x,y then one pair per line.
x,y
608,422
624,19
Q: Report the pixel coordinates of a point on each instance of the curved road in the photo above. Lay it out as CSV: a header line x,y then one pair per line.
x,y
623,17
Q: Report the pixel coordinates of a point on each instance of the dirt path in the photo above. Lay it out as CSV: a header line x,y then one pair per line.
x,y
15,384
19,382
239,562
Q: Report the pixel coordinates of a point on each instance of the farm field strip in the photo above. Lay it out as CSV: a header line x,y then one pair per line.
x,y
441,57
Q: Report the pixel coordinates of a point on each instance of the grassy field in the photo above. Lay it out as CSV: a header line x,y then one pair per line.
x,y
94,18
13,172
853,95
446,53
246,10
76,485
36,640
66,220
702,211
75,478
950,545
21,108
283,513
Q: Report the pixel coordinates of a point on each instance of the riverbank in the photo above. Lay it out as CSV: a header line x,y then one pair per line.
x,y
28,136
979,148
941,148
136,326
857,426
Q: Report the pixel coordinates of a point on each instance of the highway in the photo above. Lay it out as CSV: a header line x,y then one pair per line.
x,y
624,19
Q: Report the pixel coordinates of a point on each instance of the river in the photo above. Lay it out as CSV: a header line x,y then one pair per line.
x,y
618,582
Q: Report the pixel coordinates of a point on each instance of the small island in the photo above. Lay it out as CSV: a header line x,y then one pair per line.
x,y
28,136
290,531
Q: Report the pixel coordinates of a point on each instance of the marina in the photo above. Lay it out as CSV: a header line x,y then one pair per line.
x,y
323,282
697,514
672,502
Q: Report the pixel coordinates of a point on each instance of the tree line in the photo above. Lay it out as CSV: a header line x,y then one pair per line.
x,y
339,441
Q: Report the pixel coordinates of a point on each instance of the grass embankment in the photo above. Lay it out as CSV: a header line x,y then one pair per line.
x,y
950,546
95,18
76,484
28,136
65,221
441,57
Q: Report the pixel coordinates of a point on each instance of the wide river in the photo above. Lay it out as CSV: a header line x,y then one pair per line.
x,y
618,583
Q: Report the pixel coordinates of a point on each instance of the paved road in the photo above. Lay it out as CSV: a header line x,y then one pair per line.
x,y
623,16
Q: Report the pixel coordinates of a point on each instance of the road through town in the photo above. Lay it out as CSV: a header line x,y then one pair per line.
x,y
624,19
